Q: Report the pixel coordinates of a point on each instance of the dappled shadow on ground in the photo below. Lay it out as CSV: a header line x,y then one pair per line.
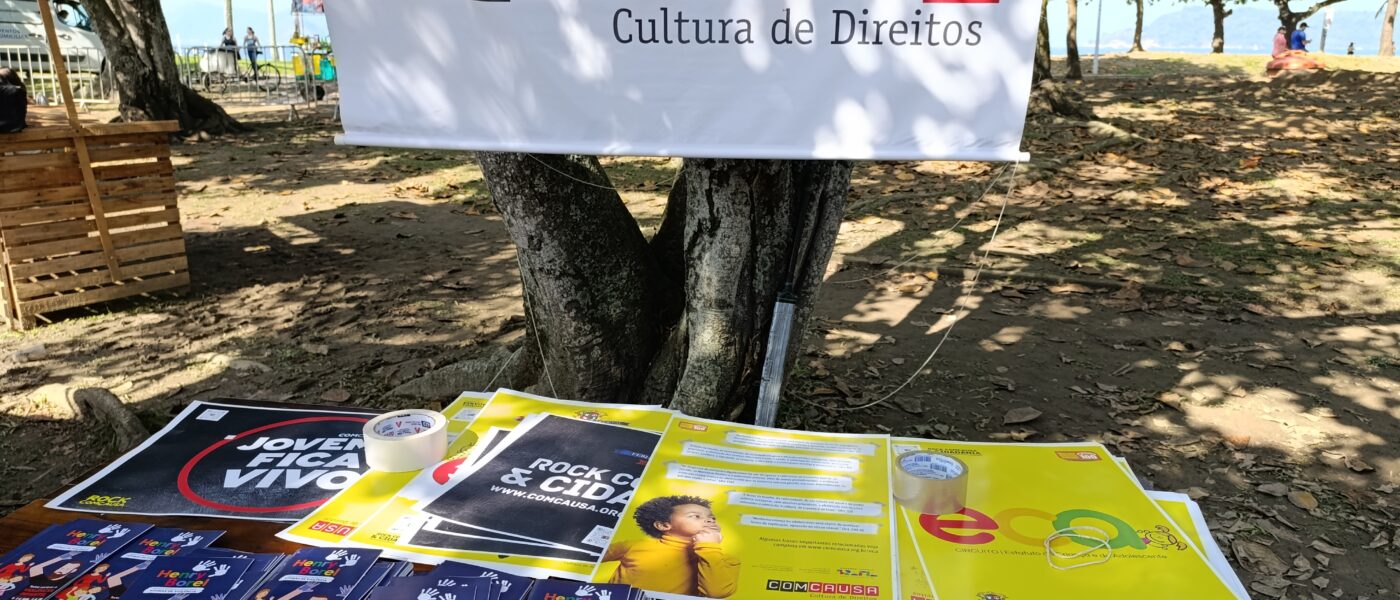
x,y
345,301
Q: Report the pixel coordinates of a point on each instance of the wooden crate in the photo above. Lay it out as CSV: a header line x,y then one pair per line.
x,y
58,249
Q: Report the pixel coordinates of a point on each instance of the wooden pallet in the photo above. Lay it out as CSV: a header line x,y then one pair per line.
x,y
70,239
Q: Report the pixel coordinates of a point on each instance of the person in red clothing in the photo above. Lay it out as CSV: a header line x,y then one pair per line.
x,y
1281,42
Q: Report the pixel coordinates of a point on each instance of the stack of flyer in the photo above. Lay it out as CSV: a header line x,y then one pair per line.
x,y
91,559
585,497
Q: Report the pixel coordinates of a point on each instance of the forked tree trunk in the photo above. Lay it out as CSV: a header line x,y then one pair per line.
x,y
142,60
1042,46
1388,29
681,319
1218,14
1137,28
1289,18
1072,40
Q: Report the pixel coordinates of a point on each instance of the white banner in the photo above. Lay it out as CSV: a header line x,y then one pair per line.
x,y
859,79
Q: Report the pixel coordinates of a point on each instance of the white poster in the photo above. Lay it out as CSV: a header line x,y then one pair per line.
x,y
858,79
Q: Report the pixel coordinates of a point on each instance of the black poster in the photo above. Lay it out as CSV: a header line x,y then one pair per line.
x,y
553,479
231,459
436,533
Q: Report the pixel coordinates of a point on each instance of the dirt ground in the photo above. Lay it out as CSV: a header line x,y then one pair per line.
x,y
1206,279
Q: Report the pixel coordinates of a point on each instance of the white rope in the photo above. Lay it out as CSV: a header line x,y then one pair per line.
x,y
936,236
530,314
509,359
962,300
571,177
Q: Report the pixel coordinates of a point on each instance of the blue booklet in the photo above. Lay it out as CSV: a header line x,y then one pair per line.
x,y
188,578
52,560
377,574
108,580
263,566
437,587
559,589
317,574
512,587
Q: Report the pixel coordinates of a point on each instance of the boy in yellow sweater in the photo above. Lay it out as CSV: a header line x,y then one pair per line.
x,y
683,553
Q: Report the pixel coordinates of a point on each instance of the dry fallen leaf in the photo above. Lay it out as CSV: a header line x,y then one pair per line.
x,y
1277,490
1302,499
1258,558
1358,465
1326,548
336,396
1024,414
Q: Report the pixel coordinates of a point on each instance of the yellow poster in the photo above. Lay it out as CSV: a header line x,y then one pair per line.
x,y
1108,539
735,511
332,522
462,412
396,519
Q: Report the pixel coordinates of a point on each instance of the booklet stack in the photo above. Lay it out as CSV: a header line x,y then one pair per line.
x,y
636,499
90,559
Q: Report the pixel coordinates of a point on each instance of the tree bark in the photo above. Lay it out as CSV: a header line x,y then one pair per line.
x,y
1043,69
1137,28
1388,29
1218,14
1072,40
1289,18
680,319
140,54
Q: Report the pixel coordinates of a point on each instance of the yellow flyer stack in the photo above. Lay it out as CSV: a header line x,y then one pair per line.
x,y
1050,521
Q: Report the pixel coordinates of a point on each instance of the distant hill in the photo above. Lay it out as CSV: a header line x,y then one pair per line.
x,y
1249,31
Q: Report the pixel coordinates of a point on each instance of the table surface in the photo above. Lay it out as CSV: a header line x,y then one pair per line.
x,y
249,536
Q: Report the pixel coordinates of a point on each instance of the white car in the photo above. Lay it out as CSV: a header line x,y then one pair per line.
x,y
23,45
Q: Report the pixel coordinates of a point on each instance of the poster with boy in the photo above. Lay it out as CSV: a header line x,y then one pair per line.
x,y
231,459
109,580
534,487
60,555
317,574
188,578
734,511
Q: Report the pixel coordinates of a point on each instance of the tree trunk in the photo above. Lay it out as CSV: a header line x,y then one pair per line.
x,y
681,319
1218,14
1388,29
141,56
1137,28
1043,71
1072,40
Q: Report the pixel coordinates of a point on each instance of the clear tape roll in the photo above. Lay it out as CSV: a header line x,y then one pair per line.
x,y
930,483
405,440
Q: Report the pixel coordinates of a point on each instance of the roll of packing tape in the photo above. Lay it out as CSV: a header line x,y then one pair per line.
x,y
930,483
405,440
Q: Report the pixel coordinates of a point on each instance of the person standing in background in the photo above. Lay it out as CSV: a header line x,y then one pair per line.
x,y
1300,40
253,47
1351,49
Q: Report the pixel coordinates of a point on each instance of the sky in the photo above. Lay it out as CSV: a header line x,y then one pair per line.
x,y
201,22
1179,26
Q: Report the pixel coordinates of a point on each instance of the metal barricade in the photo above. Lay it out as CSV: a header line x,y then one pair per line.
x,y
88,72
282,75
